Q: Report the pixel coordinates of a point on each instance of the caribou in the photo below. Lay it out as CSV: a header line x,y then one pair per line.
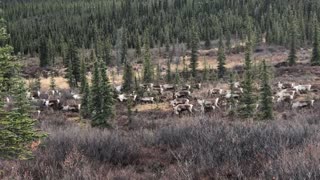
x,y
168,87
147,100
182,94
215,91
302,88
182,107
285,85
176,102
302,104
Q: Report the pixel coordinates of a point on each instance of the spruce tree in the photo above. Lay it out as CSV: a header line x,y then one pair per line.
x,y
107,106
185,69
265,94
44,54
52,82
247,100
177,77
205,70
128,75
221,59
147,64
158,73
124,47
168,74
51,52
74,62
83,77
232,102
17,130
194,52
315,60
85,101
107,49
71,80
38,83
292,58
96,98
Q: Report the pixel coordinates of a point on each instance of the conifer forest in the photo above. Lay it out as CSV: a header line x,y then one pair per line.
x,y
159,89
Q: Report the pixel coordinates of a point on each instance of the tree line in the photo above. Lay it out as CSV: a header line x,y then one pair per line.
x,y
89,24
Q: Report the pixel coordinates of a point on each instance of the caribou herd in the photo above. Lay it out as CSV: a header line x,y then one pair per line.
x,y
181,98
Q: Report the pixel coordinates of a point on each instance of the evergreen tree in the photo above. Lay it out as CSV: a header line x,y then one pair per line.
x,y
107,48
74,62
265,94
17,130
228,42
71,80
44,54
205,70
147,64
232,102
51,52
38,83
127,78
194,52
185,68
247,101
83,77
96,98
221,60
168,74
138,47
124,47
52,82
177,77
107,106
315,60
293,38
85,101
158,73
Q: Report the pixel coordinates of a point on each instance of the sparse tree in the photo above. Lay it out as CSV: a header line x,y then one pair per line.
x,y
85,101
107,106
147,64
221,60
83,77
52,82
128,78
292,58
194,52
168,74
315,60
265,94
247,100
96,98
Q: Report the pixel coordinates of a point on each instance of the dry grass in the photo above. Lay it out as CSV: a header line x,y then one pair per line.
x,y
150,107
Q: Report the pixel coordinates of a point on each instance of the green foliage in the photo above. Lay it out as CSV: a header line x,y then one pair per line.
x,y
83,76
127,78
232,103
292,59
96,98
168,73
265,94
16,127
221,60
107,96
85,102
147,64
124,47
73,63
52,82
205,75
194,52
44,54
315,60
97,20
247,101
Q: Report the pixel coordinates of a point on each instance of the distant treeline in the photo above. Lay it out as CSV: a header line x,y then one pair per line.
x,y
168,21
